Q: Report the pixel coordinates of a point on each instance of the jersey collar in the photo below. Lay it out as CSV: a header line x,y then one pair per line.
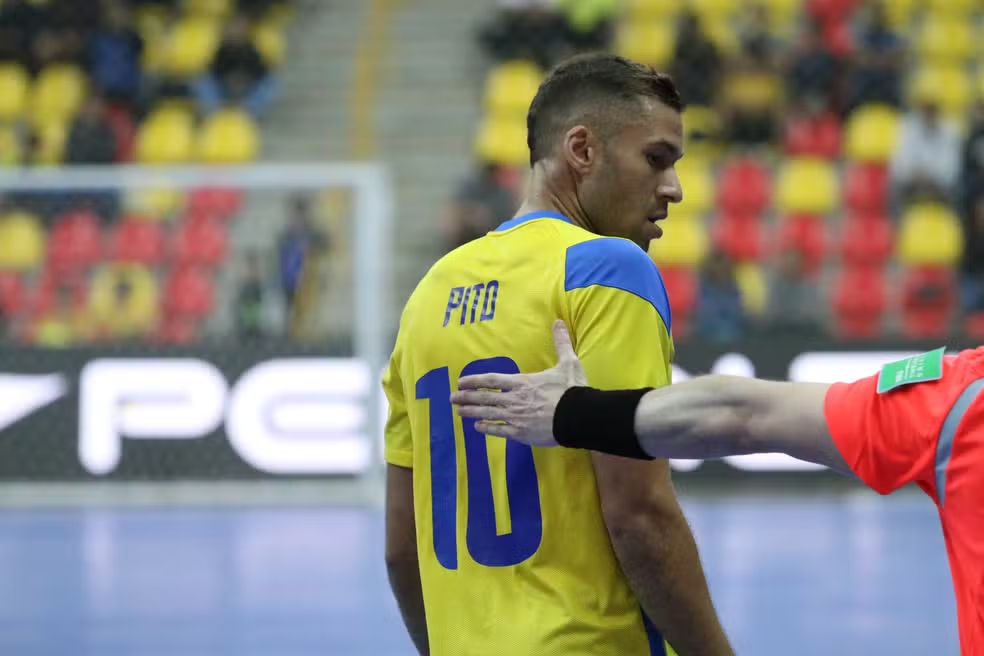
x,y
523,218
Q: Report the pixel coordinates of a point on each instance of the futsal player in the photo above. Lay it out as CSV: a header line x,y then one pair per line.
x,y
919,420
497,548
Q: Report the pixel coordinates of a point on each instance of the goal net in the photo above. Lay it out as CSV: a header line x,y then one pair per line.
x,y
193,324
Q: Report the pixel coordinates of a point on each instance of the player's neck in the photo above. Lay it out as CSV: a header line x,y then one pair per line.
x,y
545,197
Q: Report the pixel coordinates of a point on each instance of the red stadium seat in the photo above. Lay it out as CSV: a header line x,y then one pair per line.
x,y
859,300
806,235
199,243
867,240
12,295
818,137
744,187
42,294
929,299
740,236
188,293
681,287
137,241
177,332
74,243
974,325
831,11
866,188
214,203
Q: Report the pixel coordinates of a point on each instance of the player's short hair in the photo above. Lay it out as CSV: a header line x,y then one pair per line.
x,y
595,86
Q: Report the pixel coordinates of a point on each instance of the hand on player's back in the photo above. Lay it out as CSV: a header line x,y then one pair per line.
x,y
524,408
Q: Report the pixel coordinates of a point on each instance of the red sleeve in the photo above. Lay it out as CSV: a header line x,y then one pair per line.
x,y
888,440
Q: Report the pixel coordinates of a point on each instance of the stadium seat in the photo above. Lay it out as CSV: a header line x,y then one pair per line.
x,y
214,9
510,87
502,142
929,299
12,295
831,11
744,187
14,85
648,10
722,33
268,37
929,235
702,130
178,331
949,85
956,9
49,148
973,325
806,186
866,188
191,44
208,203
867,240
871,133
783,14
753,90
57,94
945,40
740,236
228,136
715,8
166,137
154,203
74,243
859,301
681,288
807,235
136,242
754,288
188,293
141,311
11,146
199,243
651,42
684,243
22,241
698,188
900,13
813,138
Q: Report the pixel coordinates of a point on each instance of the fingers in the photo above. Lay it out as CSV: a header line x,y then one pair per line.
x,y
496,430
503,382
479,397
485,412
562,341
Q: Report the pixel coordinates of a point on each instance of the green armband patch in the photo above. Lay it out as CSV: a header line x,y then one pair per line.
x,y
922,368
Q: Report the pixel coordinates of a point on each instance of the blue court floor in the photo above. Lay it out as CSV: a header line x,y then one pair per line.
x,y
806,577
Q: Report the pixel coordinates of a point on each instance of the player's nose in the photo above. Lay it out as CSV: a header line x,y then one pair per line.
x,y
670,189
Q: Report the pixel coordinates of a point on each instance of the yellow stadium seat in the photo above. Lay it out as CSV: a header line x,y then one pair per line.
x,y
11,147
140,312
753,90
280,14
502,141
651,42
684,243
702,130
228,137
510,87
166,137
22,241
955,8
754,288
783,14
14,85
191,45
698,188
154,204
871,133
721,31
268,37
929,234
945,40
50,148
715,8
807,186
644,10
900,13
57,94
208,8
950,86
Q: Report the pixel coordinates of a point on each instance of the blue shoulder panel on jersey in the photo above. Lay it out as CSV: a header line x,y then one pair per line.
x,y
619,264
523,218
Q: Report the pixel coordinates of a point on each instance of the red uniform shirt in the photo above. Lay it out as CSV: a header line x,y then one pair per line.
x,y
930,434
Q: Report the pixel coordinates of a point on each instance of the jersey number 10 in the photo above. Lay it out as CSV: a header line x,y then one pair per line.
x,y
484,544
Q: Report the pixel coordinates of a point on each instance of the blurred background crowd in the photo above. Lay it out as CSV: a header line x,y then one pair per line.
x,y
832,178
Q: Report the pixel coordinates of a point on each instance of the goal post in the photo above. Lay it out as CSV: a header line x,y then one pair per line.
x,y
370,250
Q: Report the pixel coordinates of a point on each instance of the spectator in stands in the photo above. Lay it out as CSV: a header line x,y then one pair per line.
x,y
926,163
91,140
876,75
755,37
257,9
793,298
20,23
696,65
297,244
812,69
250,309
64,324
238,74
482,201
972,160
812,129
114,56
526,29
590,23
752,92
719,315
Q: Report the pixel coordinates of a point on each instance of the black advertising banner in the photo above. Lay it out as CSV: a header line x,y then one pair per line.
x,y
280,411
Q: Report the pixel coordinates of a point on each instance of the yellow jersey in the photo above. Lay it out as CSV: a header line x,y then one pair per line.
x,y
514,554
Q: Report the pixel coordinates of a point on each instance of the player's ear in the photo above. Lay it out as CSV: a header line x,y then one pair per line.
x,y
579,149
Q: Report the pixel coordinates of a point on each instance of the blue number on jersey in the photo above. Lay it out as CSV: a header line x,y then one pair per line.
x,y
485,546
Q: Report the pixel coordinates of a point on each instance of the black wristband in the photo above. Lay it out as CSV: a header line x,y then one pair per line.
x,y
587,418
